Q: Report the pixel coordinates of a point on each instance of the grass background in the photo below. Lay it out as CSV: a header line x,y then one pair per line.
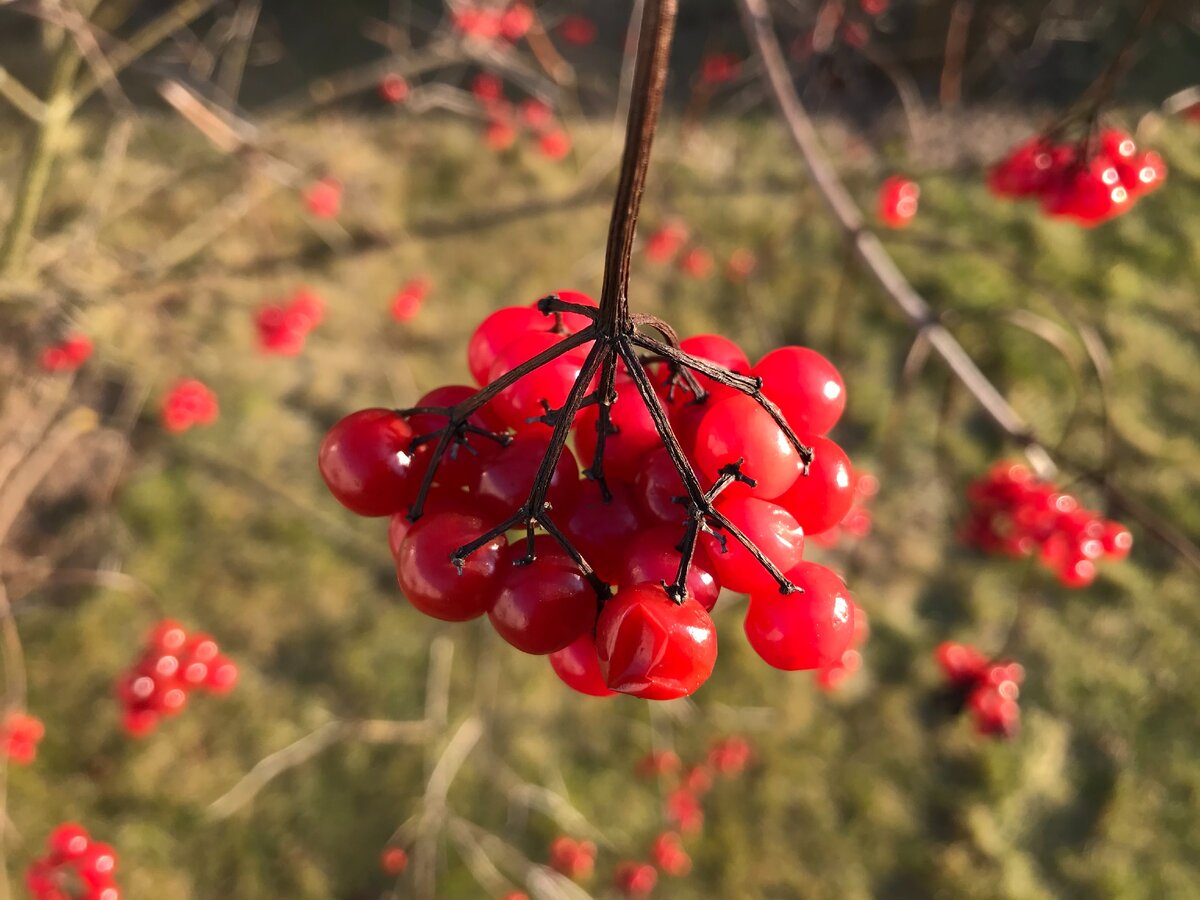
x,y
870,791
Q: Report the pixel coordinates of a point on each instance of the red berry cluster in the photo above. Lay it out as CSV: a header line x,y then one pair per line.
x,y
68,354
988,689
485,24
74,868
188,403
323,198
653,639
898,200
20,735
172,665
670,243
409,299
857,521
505,121
577,30
1015,514
1090,181
393,88
283,327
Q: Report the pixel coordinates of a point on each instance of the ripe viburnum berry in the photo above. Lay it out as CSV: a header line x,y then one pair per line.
x,y
634,879
577,30
393,860
74,866
663,244
283,328
652,647
324,198
805,386
554,144
393,88
536,114
770,527
578,666
496,332
366,460
737,428
545,605
821,499
658,764
730,756
68,354
19,735
432,583
604,530
719,68
685,811
516,21
653,558
802,630
409,299
669,855
741,265
697,263
898,200
575,859
188,403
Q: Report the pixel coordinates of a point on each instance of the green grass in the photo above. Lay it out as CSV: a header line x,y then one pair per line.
x,y
866,792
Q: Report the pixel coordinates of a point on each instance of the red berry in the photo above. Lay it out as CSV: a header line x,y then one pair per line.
x,y
626,449
635,879
393,88
98,864
430,580
653,648
652,558
669,854
657,487
821,499
579,667
738,428
496,332
500,135
602,529
802,630
961,663
69,841
525,400
555,144
769,527
324,198
545,605
805,386
506,480
393,860
697,263
898,199
577,30
365,460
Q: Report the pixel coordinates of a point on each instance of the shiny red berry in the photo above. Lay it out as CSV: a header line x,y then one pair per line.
x,y
366,460
802,630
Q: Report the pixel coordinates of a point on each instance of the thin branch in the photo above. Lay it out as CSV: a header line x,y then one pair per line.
x,y
25,100
870,250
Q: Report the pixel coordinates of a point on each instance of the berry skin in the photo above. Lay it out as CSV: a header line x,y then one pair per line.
x,y
506,480
366,462
683,808
805,386
657,486
521,402
652,558
545,605
496,332
653,648
579,667
770,527
738,428
393,860
821,499
624,451
603,530
802,630
430,580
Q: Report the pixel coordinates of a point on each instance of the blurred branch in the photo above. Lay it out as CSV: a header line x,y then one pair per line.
x,y
867,246
142,42
271,767
21,97
434,809
950,89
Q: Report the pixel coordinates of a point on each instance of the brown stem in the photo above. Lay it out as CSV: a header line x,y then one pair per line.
x,y
650,76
